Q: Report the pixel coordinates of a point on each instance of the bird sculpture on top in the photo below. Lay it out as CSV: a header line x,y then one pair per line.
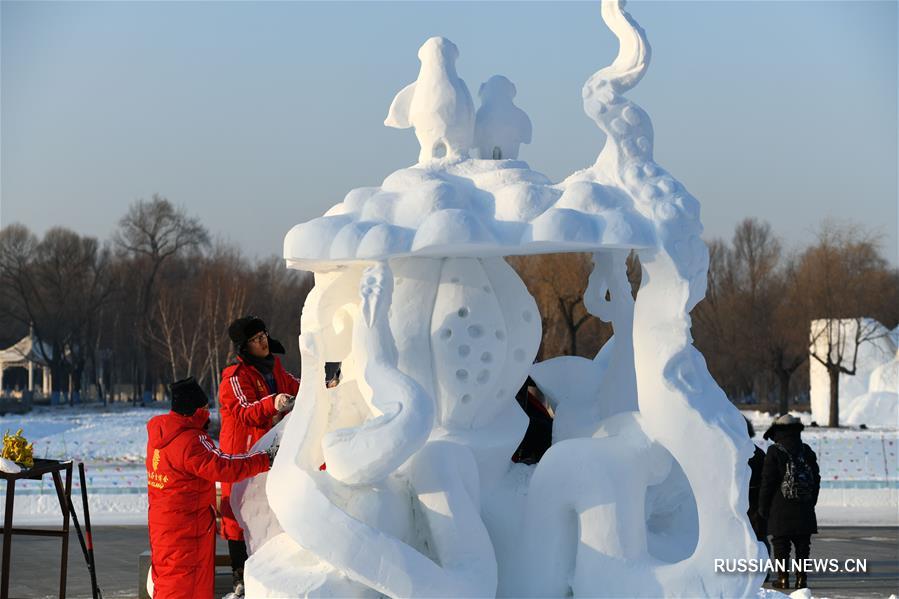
x,y
437,105
500,126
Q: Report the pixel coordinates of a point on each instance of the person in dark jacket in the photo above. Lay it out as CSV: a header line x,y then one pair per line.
x,y
332,374
791,521
539,435
756,465
183,465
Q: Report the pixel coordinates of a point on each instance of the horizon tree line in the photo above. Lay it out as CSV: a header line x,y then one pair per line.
x,y
153,303
150,306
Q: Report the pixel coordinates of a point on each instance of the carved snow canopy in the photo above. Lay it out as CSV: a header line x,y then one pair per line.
x,y
472,208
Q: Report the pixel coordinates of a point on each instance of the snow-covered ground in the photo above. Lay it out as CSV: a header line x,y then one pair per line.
x,y
112,444
859,468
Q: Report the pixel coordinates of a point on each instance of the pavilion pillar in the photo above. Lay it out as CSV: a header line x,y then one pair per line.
x,y
30,375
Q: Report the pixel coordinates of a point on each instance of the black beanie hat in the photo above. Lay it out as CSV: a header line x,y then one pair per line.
x,y
187,396
243,329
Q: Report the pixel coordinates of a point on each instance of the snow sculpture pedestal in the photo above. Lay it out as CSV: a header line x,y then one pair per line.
x,y
398,482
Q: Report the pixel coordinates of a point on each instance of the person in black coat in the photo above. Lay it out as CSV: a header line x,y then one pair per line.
x,y
756,465
539,435
790,521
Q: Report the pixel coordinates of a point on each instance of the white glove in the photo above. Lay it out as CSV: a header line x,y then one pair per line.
x,y
284,402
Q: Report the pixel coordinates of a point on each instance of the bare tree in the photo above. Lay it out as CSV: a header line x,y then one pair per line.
x,y
711,328
759,290
56,286
180,335
558,282
199,296
198,300
733,325
844,278
276,295
747,324
223,287
151,234
787,339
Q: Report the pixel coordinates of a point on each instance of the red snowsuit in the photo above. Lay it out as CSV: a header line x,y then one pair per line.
x,y
182,466
248,411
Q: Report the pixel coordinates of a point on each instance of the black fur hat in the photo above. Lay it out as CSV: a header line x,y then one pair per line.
x,y
187,396
244,328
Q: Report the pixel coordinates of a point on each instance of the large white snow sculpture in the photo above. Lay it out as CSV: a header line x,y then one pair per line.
x,y
399,482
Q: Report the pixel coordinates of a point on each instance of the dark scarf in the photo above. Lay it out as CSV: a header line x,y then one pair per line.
x,y
265,366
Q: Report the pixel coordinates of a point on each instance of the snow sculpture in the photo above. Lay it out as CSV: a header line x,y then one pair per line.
x,y
437,104
871,395
606,385
500,126
398,481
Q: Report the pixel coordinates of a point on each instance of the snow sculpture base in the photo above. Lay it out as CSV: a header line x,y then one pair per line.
x,y
398,482
281,568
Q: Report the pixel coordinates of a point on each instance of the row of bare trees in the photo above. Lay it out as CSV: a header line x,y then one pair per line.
x,y
753,326
151,306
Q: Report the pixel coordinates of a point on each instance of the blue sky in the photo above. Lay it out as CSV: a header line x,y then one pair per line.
x,y
256,116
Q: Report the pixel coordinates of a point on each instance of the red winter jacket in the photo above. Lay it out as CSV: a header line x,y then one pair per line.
x,y
183,464
248,412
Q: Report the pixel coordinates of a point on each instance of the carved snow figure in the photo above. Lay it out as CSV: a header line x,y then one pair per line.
x,y
398,482
607,384
437,104
500,126
364,430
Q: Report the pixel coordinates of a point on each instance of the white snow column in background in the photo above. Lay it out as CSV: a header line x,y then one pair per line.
x,y
869,397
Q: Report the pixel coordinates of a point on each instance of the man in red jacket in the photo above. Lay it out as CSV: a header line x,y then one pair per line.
x,y
183,465
253,394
